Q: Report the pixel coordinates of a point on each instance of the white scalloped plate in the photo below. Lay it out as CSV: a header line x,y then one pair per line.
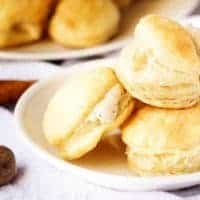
x,y
47,50
106,165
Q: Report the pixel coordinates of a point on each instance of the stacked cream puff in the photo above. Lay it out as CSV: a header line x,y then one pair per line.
x,y
161,69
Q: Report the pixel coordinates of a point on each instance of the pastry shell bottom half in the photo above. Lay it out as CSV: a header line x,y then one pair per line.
x,y
163,141
180,162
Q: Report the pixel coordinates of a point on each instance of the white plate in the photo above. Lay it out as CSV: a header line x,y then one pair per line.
x,y
47,50
106,169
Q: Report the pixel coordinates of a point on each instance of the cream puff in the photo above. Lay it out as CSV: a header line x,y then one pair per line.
x,y
86,107
22,21
84,23
161,66
162,141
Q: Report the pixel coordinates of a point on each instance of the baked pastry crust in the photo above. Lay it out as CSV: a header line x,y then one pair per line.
x,y
23,21
86,23
77,116
162,141
161,66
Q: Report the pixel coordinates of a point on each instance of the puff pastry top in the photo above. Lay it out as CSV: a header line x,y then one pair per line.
x,y
161,66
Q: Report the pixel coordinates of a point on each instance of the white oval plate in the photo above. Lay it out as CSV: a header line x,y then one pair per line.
x,y
47,50
107,165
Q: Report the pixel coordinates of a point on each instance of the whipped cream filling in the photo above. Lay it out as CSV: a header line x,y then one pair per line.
x,y
107,110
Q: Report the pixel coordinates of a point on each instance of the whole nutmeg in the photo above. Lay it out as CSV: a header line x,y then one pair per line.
x,y
7,165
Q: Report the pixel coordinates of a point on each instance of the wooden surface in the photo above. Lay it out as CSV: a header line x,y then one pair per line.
x,y
10,91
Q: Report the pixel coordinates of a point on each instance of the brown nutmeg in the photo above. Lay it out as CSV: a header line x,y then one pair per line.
x,y
7,165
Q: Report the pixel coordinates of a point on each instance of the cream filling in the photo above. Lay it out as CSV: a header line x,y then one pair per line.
x,y
107,110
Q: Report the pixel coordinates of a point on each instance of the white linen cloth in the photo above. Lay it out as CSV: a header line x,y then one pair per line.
x,y
37,180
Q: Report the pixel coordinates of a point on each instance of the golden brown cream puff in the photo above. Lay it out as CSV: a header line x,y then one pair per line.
x,y
84,23
161,66
22,21
83,109
162,141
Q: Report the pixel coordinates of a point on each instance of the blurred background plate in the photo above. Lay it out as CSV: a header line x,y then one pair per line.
x,y
47,50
